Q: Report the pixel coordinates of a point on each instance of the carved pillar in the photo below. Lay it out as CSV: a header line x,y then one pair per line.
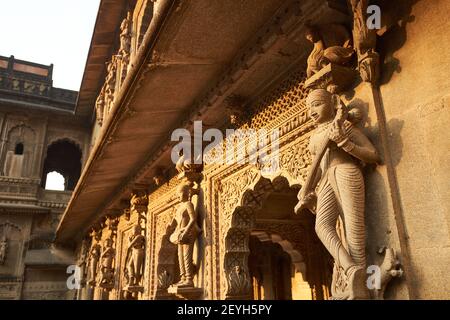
x,y
237,276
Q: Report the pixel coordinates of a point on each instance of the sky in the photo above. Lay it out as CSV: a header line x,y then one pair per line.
x,y
49,31
55,181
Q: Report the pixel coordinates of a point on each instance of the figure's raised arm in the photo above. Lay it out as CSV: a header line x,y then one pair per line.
x,y
359,146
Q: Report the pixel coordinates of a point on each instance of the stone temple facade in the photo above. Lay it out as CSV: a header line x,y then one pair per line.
x,y
41,133
333,184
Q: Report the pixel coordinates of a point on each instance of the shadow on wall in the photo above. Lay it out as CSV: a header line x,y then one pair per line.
x,y
395,17
201,240
380,225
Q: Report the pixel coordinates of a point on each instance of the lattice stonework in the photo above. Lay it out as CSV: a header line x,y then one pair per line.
x,y
290,93
282,108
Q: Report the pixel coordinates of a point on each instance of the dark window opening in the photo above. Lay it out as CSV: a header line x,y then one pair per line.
x,y
64,157
19,148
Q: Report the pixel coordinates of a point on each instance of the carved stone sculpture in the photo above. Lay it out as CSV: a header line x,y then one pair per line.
x,y
106,268
185,234
239,282
110,85
134,262
3,250
339,147
389,268
100,107
94,256
365,42
164,280
327,50
125,44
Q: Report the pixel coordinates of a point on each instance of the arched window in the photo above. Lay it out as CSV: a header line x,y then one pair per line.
x,y
19,148
55,181
64,157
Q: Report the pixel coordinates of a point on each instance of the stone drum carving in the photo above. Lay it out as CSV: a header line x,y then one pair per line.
x,y
338,147
185,234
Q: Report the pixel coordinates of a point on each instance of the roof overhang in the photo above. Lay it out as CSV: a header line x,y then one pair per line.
x,y
191,60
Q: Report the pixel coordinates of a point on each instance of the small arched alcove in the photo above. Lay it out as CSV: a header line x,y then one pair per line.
x,y
63,157
18,150
277,253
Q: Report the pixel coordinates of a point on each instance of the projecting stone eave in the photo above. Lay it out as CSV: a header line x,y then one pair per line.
x,y
174,83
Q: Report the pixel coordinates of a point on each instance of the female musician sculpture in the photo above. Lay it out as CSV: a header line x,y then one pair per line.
x,y
340,191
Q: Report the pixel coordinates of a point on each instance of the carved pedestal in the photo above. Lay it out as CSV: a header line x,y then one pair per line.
x,y
162,294
186,293
333,77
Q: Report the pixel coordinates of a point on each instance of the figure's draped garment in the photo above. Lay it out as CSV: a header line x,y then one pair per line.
x,y
340,193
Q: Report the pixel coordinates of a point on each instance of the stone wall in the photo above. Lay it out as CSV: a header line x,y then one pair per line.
x,y
415,93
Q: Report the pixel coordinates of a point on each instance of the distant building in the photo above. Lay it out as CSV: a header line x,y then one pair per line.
x,y
40,134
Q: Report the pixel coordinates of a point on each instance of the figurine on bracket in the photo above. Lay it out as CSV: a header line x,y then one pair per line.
x,y
338,147
328,47
106,268
135,259
185,234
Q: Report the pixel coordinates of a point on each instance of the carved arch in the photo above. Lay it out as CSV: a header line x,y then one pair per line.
x,y
236,240
71,140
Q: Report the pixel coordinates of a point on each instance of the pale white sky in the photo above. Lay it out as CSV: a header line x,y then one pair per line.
x,y
49,31
55,181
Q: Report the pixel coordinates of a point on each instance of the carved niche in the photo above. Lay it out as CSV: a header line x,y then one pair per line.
x,y
10,236
6,230
20,151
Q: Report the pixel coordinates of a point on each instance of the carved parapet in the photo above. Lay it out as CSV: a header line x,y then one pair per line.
x,y
333,77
